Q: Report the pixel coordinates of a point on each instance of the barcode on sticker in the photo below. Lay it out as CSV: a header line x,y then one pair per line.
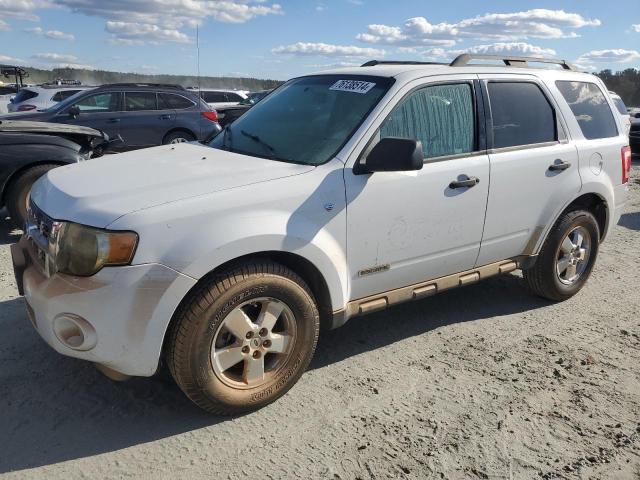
x,y
354,86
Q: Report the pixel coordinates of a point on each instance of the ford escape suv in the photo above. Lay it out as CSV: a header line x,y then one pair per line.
x,y
341,193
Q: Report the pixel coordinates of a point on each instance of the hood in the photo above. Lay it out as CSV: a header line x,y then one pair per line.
x,y
23,126
99,191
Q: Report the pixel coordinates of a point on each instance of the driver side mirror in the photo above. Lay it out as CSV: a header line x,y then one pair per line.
x,y
74,112
393,154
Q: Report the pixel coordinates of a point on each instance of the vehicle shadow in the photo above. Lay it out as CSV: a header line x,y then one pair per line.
x,y
8,233
630,220
56,409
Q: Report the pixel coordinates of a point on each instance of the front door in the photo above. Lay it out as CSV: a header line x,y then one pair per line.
x,y
98,110
407,227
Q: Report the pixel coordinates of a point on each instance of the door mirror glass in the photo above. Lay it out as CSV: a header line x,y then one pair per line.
x,y
74,111
393,154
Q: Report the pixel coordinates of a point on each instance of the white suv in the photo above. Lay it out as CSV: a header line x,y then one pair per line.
x,y
41,97
340,194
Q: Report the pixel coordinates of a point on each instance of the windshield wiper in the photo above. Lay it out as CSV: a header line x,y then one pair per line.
x,y
257,139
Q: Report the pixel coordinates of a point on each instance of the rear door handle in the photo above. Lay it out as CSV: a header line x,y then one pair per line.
x,y
559,166
114,120
467,182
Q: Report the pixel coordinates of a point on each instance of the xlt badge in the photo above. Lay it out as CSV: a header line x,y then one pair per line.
x,y
372,270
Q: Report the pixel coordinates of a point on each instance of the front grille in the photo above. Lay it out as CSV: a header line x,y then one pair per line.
x,y
38,220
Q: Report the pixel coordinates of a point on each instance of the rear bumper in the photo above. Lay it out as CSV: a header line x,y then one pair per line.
x,y
122,312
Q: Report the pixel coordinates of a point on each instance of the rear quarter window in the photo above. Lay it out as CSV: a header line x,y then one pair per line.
x,y
590,107
169,101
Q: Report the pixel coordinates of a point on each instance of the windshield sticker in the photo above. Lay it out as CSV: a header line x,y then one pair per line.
x,y
354,86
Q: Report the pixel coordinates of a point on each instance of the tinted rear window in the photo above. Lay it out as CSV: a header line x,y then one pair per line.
x,y
622,108
140,101
521,114
25,94
59,96
174,102
590,107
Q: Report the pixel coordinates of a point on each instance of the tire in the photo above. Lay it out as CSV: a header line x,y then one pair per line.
x,y
548,278
203,334
179,136
18,192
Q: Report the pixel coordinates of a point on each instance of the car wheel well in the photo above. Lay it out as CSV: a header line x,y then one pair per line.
x,y
300,265
594,204
178,129
20,171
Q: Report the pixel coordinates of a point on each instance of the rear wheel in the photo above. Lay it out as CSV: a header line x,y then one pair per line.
x,y
244,338
179,136
17,196
567,257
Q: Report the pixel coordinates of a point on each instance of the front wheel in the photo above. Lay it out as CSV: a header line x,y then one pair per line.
x,y
18,192
567,257
244,338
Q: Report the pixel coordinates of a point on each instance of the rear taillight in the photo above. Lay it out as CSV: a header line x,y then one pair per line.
x,y
26,108
211,115
626,163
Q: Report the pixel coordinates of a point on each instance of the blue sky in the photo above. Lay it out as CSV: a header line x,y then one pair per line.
x,y
282,39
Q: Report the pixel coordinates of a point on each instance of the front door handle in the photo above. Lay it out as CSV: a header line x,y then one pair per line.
x,y
467,182
114,120
559,166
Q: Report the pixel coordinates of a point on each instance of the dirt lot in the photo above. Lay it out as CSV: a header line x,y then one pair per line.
x,y
482,382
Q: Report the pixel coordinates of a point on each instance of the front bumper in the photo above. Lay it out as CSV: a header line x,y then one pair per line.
x,y
126,309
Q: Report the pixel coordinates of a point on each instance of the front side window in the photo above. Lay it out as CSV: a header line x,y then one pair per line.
x,y
591,109
307,120
140,101
99,103
214,97
440,116
521,114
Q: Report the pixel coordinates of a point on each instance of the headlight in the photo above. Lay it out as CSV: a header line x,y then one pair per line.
x,y
83,251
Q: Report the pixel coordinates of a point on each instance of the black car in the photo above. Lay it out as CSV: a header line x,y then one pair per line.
x,y
28,150
229,115
634,136
141,115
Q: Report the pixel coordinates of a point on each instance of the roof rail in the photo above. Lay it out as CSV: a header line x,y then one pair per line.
x,y
465,58
143,84
373,63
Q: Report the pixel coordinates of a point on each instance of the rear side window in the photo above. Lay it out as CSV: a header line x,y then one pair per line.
x,y
59,96
140,101
440,116
169,101
521,114
591,109
24,95
622,108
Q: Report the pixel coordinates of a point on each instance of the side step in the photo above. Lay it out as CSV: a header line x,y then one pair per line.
x,y
382,301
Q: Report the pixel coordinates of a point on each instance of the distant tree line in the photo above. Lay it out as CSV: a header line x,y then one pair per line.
x,y
625,83
101,77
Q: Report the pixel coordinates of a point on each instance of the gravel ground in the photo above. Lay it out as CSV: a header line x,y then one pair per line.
x,y
481,382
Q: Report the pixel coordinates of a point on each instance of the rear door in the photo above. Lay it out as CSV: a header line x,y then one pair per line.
x,y
143,124
534,165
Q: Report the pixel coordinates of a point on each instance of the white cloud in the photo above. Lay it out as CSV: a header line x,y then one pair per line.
x,y
327,50
53,34
127,33
510,48
11,60
636,27
55,57
4,26
618,55
163,20
536,23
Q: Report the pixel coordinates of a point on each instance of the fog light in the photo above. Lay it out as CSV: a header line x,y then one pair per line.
x,y
74,332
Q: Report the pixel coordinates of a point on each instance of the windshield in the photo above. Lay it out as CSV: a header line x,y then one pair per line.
x,y
307,120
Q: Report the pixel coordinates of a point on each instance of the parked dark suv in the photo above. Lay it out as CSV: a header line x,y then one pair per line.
x,y
143,115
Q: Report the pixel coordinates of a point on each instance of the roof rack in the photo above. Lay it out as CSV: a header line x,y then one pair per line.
x,y
465,58
373,63
143,84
